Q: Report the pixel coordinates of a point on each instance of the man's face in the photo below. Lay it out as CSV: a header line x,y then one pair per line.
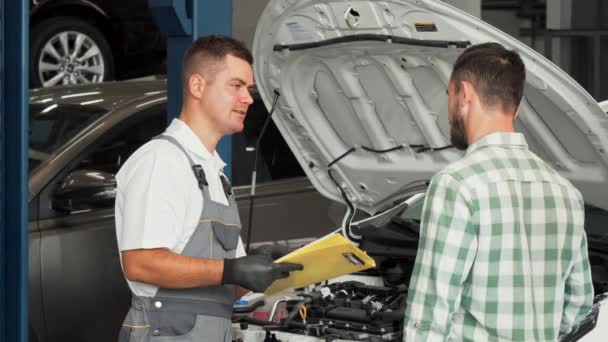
x,y
458,133
227,96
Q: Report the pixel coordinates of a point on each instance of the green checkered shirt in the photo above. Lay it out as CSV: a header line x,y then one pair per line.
x,y
503,251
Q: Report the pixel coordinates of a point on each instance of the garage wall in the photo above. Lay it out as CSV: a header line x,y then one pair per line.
x,y
509,22
575,55
472,7
245,14
591,14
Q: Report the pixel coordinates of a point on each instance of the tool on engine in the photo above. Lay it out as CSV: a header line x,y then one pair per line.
x,y
302,312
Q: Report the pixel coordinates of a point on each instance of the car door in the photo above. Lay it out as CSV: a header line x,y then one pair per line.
x,y
84,293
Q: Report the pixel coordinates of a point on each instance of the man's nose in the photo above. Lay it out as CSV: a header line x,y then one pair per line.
x,y
247,98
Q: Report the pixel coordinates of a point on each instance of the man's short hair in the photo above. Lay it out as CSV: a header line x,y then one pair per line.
x,y
497,74
205,54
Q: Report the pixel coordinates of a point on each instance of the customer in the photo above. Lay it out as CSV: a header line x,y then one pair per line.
x,y
503,252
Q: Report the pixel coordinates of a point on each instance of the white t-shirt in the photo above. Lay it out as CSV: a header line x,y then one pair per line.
x,y
158,201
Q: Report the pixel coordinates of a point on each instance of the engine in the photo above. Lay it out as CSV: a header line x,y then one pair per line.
x,y
370,309
350,310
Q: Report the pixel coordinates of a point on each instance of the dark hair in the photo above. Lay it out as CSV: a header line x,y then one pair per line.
x,y
496,73
206,52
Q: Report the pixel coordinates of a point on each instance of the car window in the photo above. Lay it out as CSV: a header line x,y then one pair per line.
x,y
121,142
52,125
107,153
275,160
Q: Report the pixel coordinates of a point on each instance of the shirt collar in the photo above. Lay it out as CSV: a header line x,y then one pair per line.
x,y
184,134
505,139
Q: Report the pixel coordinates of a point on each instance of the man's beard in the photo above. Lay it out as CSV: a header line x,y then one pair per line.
x,y
458,134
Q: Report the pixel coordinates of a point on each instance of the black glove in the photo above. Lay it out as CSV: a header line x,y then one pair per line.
x,y
273,251
255,272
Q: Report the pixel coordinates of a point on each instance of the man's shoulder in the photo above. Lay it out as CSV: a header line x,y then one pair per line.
x,y
480,168
472,171
153,152
463,169
550,174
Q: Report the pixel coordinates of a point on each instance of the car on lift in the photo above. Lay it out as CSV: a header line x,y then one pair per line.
x,y
82,41
79,136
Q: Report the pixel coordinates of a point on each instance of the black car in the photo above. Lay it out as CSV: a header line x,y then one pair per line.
x,y
79,138
83,41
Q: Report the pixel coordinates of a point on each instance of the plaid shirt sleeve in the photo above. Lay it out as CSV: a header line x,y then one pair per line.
x,y
578,299
447,248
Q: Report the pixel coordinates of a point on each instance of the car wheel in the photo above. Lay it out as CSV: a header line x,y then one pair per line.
x,y
66,50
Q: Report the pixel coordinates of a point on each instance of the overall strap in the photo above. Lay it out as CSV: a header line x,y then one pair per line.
x,y
196,168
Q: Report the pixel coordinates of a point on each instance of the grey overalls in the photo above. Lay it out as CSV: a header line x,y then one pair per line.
x,y
196,314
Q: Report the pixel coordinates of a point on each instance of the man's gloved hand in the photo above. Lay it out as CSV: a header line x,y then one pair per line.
x,y
273,251
255,272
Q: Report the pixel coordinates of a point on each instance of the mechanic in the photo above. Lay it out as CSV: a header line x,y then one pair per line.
x,y
503,252
177,222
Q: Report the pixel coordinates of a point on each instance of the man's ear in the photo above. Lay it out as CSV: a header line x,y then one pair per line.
x,y
467,96
468,91
196,85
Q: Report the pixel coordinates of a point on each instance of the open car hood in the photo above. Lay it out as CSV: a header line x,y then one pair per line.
x,y
363,95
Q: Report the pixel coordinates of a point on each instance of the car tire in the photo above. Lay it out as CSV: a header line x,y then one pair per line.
x,y
91,63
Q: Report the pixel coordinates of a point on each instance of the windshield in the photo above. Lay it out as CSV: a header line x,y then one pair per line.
x,y
52,125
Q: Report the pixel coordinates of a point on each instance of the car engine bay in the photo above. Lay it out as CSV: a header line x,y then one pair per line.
x,y
367,306
347,310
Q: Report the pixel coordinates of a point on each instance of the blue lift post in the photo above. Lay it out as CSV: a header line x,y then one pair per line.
x,y
183,21
14,43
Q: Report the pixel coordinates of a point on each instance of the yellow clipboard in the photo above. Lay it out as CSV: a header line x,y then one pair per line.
x,y
329,257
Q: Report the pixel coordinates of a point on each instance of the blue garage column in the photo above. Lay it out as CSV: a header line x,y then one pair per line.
x,y
183,21
13,170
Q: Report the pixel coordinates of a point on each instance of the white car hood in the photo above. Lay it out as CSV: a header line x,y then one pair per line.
x,y
372,75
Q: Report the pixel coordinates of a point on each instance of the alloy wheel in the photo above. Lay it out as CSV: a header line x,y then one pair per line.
x,y
70,57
